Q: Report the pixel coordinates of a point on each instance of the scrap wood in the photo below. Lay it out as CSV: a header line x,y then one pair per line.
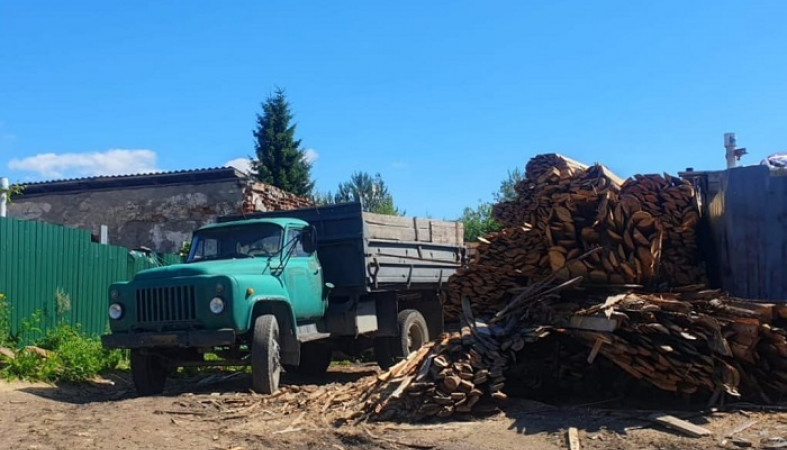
x,y
742,427
7,353
681,425
573,439
397,441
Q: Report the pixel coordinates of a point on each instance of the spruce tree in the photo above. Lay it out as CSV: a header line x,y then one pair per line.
x,y
280,160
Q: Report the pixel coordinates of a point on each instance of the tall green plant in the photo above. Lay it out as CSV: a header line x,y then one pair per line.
x,y
5,322
61,353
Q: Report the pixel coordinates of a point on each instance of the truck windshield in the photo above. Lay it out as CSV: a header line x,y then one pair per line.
x,y
247,241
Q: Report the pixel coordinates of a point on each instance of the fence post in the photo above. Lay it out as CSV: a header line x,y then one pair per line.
x,y
3,196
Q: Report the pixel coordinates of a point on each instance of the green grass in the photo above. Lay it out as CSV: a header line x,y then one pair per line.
x,y
71,354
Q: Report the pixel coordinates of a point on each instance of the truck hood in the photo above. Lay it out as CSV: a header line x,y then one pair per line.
x,y
246,266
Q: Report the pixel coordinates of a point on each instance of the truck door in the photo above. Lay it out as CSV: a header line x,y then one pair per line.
x,y
303,278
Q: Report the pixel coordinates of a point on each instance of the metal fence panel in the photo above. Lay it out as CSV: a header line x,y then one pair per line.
x,y
39,260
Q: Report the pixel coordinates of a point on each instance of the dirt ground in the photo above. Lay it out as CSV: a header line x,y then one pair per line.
x,y
197,413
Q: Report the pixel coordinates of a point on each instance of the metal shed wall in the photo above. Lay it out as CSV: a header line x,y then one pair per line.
x,y
748,222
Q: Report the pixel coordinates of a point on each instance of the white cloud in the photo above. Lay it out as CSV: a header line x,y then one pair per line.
x,y
310,155
110,162
242,164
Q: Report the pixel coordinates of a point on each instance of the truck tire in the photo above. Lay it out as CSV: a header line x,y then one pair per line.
x,y
413,333
315,359
148,372
265,357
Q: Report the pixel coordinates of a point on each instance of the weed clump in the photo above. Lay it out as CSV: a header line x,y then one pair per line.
x,y
61,353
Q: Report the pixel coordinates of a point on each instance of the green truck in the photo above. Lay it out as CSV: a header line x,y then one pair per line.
x,y
286,290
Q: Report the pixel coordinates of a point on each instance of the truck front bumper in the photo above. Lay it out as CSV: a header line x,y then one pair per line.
x,y
200,338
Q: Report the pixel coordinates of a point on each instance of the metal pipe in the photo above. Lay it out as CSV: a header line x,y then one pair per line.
x,y
4,188
729,146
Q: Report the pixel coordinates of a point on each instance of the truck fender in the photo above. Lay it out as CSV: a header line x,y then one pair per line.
x,y
288,331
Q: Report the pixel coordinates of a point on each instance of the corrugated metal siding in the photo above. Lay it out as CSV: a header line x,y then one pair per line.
x,y
749,224
38,259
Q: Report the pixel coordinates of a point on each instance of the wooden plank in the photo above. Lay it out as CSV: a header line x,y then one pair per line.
x,y
781,309
573,439
594,323
764,311
594,351
380,226
681,425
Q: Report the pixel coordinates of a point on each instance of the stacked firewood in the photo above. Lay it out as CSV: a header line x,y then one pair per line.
x,y
645,228
463,370
672,202
503,262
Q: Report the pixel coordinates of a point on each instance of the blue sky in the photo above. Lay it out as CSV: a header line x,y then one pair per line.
x,y
442,98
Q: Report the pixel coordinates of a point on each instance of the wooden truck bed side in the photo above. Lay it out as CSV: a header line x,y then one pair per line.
x,y
362,252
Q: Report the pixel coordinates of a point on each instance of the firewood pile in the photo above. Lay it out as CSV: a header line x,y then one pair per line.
x,y
645,228
691,342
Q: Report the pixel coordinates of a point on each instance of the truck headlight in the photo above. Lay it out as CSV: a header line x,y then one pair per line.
x,y
115,311
216,305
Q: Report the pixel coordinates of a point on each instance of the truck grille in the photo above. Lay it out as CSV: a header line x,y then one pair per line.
x,y
166,304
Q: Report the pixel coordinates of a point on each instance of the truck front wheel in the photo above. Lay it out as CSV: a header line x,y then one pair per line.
x,y
148,371
265,357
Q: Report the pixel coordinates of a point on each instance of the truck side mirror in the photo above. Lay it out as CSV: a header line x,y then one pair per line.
x,y
309,240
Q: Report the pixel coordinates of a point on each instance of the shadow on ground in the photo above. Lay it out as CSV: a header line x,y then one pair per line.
x,y
618,415
119,386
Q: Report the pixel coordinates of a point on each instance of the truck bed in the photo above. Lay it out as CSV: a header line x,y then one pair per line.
x,y
365,252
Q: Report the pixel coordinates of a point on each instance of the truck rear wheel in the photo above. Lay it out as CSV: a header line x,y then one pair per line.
x,y
413,334
265,357
148,372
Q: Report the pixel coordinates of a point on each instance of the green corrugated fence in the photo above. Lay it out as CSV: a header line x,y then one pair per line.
x,y
41,262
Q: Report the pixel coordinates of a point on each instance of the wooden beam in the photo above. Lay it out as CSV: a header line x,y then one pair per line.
x,y
681,425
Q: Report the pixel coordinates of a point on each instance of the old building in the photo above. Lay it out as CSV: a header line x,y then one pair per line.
x,y
156,210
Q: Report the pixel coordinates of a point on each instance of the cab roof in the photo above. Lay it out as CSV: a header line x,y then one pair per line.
x,y
282,222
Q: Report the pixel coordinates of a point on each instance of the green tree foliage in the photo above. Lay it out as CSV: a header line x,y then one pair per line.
x,y
507,192
280,160
478,221
370,190
13,191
